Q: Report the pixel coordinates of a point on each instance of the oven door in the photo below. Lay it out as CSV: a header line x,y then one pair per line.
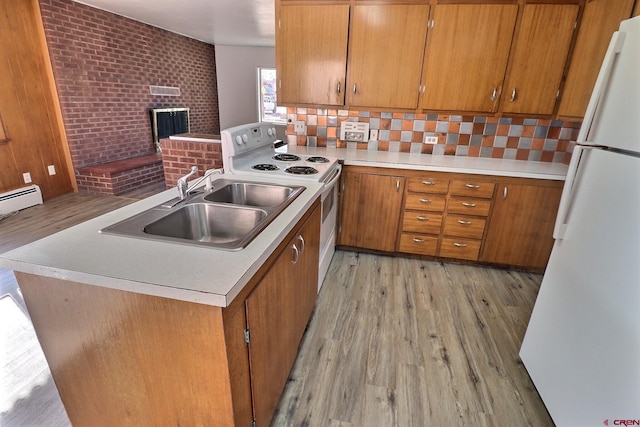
x,y
329,201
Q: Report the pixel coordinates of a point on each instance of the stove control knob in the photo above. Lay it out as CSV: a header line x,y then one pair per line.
x,y
238,140
245,138
269,132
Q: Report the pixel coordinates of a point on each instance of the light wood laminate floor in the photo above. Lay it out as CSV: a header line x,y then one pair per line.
x,y
392,341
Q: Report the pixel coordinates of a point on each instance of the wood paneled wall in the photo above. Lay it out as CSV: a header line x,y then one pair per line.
x,y
29,106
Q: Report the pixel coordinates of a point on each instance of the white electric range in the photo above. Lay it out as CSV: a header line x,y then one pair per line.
x,y
249,150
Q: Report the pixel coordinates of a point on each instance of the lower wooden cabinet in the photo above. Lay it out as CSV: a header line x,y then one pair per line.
x,y
370,208
520,231
498,220
278,310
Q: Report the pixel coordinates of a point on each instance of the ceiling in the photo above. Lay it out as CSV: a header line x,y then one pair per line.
x,y
221,22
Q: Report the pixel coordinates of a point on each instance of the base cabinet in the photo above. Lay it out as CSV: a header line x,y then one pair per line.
x,y
370,209
477,218
521,227
120,358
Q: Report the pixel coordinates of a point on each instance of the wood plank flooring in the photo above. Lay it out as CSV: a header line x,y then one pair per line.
x,y
392,341
405,342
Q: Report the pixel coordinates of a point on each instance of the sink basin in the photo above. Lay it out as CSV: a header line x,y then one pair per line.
x,y
210,223
227,217
250,194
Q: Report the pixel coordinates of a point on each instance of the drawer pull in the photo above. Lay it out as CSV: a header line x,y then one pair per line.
x,y
428,182
472,186
425,201
460,245
464,222
415,239
469,205
422,218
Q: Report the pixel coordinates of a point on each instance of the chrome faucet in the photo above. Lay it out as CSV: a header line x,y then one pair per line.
x,y
183,186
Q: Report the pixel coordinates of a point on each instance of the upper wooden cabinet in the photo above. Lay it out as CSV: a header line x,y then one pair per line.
x,y
385,55
541,51
466,58
311,53
599,21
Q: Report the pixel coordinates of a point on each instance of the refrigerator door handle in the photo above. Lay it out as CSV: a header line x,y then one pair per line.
x,y
562,219
615,46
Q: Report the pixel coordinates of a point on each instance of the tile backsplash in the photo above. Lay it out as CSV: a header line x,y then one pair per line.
x,y
473,136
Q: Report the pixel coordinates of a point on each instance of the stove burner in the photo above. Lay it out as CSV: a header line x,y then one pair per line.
x,y
286,157
301,170
317,159
265,167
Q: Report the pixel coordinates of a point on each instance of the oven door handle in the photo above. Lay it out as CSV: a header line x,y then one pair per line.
x,y
333,179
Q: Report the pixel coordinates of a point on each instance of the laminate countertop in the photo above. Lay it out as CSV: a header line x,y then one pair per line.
x,y
437,163
183,272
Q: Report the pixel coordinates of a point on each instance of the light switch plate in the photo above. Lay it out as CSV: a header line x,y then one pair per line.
x,y
373,135
430,139
299,126
27,177
52,169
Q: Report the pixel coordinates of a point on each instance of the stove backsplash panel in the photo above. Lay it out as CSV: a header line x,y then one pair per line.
x,y
473,136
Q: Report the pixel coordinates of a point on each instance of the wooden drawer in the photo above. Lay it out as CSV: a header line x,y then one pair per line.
x,y
421,222
460,248
422,202
418,244
469,206
471,188
464,226
429,185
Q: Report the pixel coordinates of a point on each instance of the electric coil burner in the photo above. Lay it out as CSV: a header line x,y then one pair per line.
x,y
301,170
317,159
265,167
284,157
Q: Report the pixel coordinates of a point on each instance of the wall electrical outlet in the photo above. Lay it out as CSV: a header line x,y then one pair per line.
x,y
27,177
373,135
430,139
299,126
51,169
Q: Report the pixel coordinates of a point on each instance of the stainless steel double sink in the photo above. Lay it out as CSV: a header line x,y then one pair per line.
x,y
229,216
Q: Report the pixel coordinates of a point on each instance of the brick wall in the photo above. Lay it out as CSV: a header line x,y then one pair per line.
x,y
103,66
179,156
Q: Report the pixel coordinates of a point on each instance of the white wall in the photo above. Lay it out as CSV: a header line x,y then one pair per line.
x,y
236,70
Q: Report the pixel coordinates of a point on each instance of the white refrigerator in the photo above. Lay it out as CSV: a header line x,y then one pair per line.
x,y
582,344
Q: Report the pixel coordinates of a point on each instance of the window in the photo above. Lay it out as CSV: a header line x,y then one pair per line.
x,y
268,101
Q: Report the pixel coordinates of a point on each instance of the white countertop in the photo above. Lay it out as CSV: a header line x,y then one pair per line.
x,y
438,163
184,272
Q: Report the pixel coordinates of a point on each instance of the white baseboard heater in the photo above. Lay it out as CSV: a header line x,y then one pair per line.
x,y
21,198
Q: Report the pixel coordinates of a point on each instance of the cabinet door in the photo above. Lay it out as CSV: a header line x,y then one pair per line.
x,y
277,312
385,55
467,52
520,229
541,52
311,54
600,19
371,206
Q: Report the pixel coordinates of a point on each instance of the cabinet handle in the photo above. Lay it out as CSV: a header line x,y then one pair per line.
x,y
302,243
460,245
415,239
473,186
355,88
425,201
469,205
397,185
295,254
513,95
422,218
428,182
464,222
504,193
494,94
339,87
